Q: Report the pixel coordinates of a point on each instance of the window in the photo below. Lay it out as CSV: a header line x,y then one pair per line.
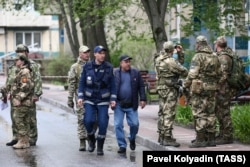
x,y
31,39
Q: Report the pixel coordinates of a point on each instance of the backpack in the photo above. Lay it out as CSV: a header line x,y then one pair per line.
x,y
237,78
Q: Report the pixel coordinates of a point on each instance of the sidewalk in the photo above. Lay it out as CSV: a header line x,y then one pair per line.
x,y
147,136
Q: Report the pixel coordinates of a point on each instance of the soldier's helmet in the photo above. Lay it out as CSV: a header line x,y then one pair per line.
x,y
221,40
169,45
21,56
201,39
22,47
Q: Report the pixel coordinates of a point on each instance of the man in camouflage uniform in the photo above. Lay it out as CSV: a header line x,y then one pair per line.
x,y
21,93
168,71
160,56
224,95
73,81
36,76
202,81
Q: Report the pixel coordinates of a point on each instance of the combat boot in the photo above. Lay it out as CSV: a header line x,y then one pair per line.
x,y
169,141
172,137
160,139
192,141
223,140
100,143
82,145
23,142
211,140
12,142
91,142
200,140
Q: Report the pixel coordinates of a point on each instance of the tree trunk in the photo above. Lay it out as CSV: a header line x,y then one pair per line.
x,y
73,39
156,10
92,27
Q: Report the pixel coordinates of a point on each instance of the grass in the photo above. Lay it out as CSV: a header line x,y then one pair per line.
x,y
241,122
184,115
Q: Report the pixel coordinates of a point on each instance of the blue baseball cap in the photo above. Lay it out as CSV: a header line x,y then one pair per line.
x,y
99,48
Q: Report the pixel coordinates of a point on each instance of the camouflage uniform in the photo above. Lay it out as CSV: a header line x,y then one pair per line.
x,y
202,80
73,81
21,93
3,94
36,76
9,82
224,95
168,71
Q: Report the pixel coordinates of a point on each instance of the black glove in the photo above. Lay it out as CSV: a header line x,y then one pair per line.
x,y
180,83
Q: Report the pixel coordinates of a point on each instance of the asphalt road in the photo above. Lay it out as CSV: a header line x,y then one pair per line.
x,y
58,144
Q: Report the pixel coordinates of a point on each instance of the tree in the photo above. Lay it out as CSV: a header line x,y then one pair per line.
x,y
209,14
156,12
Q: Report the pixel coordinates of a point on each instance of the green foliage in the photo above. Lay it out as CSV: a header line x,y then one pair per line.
x,y
59,66
189,54
240,117
241,122
141,49
115,58
184,115
211,15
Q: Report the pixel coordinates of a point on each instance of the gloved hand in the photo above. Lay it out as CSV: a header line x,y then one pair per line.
x,y
5,99
70,103
180,82
180,90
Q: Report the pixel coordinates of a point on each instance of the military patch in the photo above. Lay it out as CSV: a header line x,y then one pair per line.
x,y
193,65
24,79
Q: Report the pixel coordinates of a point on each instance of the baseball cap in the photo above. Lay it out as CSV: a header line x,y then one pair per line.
x,y
99,48
84,48
125,57
168,45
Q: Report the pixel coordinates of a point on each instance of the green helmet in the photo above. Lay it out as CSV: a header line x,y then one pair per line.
x,y
201,39
221,40
169,45
22,47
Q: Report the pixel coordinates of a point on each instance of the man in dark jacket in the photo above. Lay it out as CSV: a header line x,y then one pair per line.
x,y
97,91
129,87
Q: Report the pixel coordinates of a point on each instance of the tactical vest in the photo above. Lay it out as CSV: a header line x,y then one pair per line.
x,y
208,71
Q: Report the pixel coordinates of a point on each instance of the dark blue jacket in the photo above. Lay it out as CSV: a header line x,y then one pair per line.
x,y
137,85
97,83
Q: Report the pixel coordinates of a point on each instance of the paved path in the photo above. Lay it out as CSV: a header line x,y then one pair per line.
x,y
147,135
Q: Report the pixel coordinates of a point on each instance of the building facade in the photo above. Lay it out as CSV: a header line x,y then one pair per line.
x,y
40,33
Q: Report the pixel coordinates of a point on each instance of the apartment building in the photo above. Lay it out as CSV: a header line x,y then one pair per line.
x,y
40,33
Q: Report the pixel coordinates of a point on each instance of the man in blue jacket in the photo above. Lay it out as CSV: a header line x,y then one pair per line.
x,y
97,91
129,87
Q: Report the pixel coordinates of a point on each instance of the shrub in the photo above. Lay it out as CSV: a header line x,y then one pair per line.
x,y
59,66
241,122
